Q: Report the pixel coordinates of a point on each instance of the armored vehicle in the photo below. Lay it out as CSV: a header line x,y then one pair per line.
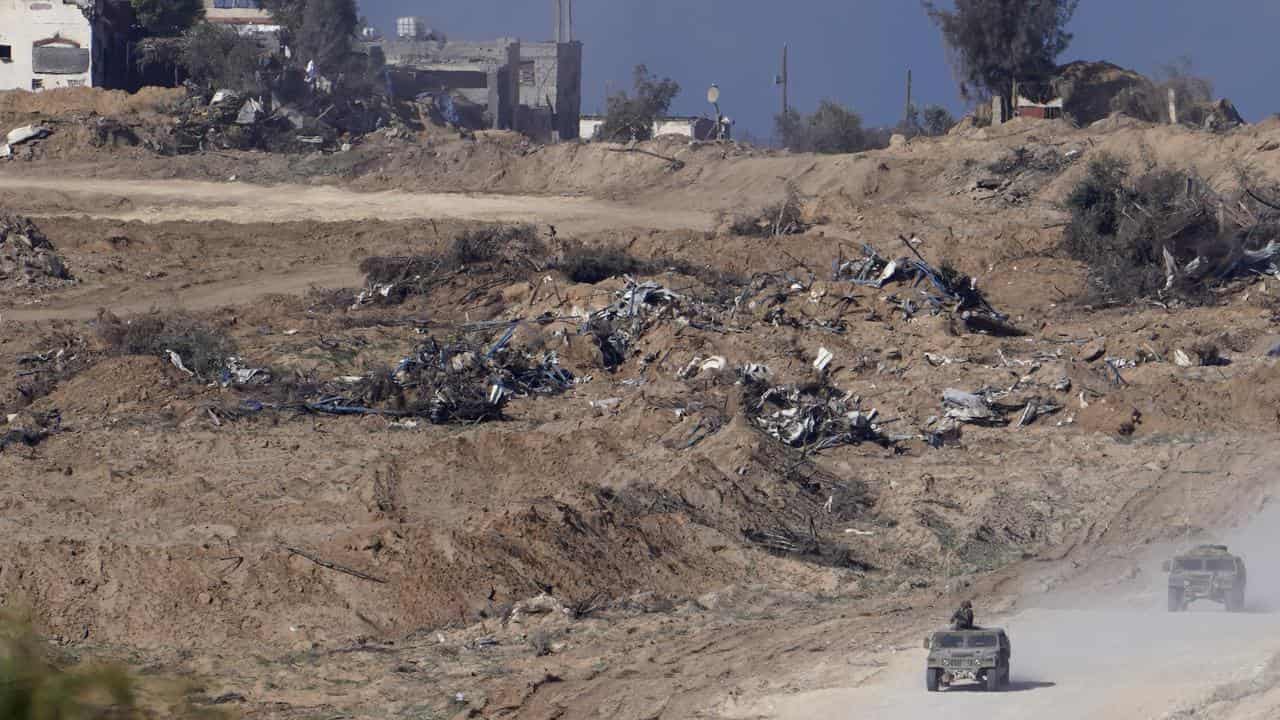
x,y
981,655
1207,572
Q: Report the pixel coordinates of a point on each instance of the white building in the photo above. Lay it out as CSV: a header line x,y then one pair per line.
x,y
697,128
245,15
47,44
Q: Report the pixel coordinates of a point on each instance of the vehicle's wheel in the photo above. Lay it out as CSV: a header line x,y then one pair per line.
x,y
932,676
1004,677
993,679
1235,600
1175,600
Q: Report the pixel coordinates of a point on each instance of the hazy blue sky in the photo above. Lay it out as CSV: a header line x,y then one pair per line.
x,y
853,51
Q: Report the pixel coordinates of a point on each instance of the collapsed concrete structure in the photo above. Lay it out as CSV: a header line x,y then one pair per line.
x,y
534,88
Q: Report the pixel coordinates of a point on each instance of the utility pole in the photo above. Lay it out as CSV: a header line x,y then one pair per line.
x,y
906,117
783,80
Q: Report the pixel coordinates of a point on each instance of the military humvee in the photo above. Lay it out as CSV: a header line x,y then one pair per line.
x,y
1206,572
981,655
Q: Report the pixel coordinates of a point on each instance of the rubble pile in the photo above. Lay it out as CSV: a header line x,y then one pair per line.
x,y
455,382
637,308
814,417
992,407
939,290
20,136
225,120
27,257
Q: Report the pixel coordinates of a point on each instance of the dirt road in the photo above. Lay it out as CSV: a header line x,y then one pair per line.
x,y
179,200
155,200
1102,665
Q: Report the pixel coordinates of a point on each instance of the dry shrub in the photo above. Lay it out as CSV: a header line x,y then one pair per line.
x,y
495,248
329,299
1149,101
582,264
785,217
1023,159
203,351
1208,354
592,265
385,270
505,244
540,641
1120,227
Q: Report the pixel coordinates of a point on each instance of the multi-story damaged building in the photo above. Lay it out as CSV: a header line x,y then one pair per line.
x,y
531,87
61,43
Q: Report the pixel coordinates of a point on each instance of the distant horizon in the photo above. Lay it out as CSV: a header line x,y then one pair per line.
x,y
738,46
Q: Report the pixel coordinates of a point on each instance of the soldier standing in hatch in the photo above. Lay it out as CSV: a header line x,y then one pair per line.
x,y
962,619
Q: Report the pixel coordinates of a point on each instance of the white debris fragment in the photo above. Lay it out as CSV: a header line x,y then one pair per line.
x,y
176,361
496,393
26,133
823,360
606,405
755,372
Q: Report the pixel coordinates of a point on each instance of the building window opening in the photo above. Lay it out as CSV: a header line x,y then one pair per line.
x,y
37,84
6,53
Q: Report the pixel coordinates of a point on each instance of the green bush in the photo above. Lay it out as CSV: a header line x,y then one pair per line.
x,y
632,116
32,687
832,128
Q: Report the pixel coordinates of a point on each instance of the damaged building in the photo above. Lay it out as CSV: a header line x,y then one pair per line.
x,y
243,15
530,87
48,44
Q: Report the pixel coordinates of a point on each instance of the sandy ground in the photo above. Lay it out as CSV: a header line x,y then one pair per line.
x,y
153,200
1068,664
151,528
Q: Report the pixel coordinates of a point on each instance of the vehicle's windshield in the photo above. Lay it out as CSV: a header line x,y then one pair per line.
x,y
1220,564
971,641
948,641
1191,564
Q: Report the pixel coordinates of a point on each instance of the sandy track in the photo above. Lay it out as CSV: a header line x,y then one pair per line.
x,y
156,200
219,294
182,200
1067,665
